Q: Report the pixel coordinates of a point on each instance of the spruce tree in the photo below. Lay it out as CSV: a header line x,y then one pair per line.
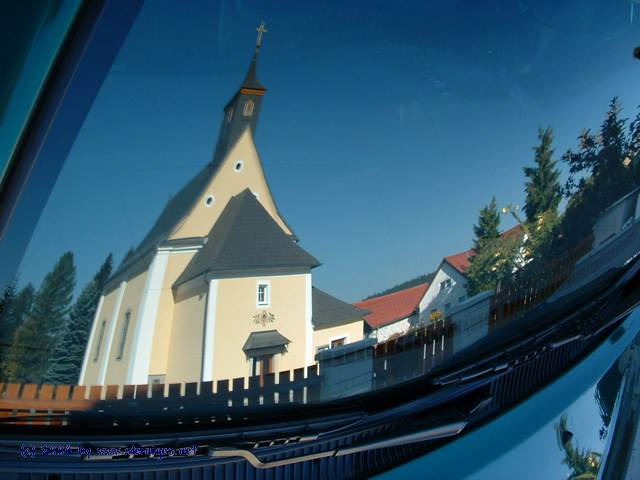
x,y
14,308
543,186
66,360
34,340
486,231
599,173
8,319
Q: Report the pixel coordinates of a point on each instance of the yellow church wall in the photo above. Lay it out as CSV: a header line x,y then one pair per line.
x,y
176,264
117,369
184,358
353,332
106,314
226,183
236,306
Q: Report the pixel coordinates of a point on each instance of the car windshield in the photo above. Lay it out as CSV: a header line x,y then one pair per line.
x,y
295,205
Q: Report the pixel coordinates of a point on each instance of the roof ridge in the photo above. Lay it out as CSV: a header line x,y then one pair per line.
x,y
404,290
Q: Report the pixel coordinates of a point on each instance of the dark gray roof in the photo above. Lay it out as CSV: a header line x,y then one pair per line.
x,y
246,237
266,342
251,80
328,310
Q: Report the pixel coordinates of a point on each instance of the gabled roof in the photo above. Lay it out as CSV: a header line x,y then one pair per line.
x,y
267,342
246,237
329,311
392,307
461,261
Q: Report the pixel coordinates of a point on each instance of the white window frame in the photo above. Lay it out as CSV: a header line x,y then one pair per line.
x,y
267,301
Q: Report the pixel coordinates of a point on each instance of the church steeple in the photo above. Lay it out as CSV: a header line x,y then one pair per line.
x,y
243,109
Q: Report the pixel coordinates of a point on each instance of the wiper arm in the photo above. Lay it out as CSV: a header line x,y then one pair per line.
x,y
434,433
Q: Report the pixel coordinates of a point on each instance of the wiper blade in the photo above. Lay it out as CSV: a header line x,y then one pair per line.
x,y
434,433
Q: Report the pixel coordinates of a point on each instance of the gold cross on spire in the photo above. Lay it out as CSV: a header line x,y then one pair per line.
x,y
261,29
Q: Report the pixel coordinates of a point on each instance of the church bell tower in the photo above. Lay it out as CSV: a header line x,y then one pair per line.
x,y
243,109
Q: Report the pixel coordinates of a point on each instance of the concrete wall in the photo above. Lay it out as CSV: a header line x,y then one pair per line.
x,y
184,359
234,321
164,321
117,369
398,327
226,183
92,369
471,320
437,297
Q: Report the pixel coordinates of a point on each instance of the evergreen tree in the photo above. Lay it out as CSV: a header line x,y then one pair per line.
x,y
543,186
14,308
486,231
600,172
494,257
35,338
66,360
8,319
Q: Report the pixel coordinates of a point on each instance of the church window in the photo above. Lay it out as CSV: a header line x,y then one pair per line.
x,y
248,108
100,337
263,294
123,334
239,165
229,114
209,200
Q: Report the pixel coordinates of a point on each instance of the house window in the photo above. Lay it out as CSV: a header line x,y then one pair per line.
x,y
229,115
338,342
100,337
248,108
123,334
445,284
263,294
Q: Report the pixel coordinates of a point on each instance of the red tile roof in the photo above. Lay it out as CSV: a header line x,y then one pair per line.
x,y
392,307
460,261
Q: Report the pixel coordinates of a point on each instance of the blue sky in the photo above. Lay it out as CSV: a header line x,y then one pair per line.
x,y
385,127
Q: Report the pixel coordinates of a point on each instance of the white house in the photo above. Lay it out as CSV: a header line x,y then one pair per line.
x,y
449,286
393,314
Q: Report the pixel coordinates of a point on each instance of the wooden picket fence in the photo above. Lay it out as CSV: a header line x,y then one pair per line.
x,y
51,404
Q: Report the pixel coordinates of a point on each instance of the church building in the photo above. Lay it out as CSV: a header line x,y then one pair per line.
x,y
219,287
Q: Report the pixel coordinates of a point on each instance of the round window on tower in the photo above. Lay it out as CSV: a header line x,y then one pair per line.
x,y
209,200
239,165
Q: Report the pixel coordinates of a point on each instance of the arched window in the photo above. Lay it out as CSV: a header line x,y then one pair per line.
x,y
248,108
229,114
